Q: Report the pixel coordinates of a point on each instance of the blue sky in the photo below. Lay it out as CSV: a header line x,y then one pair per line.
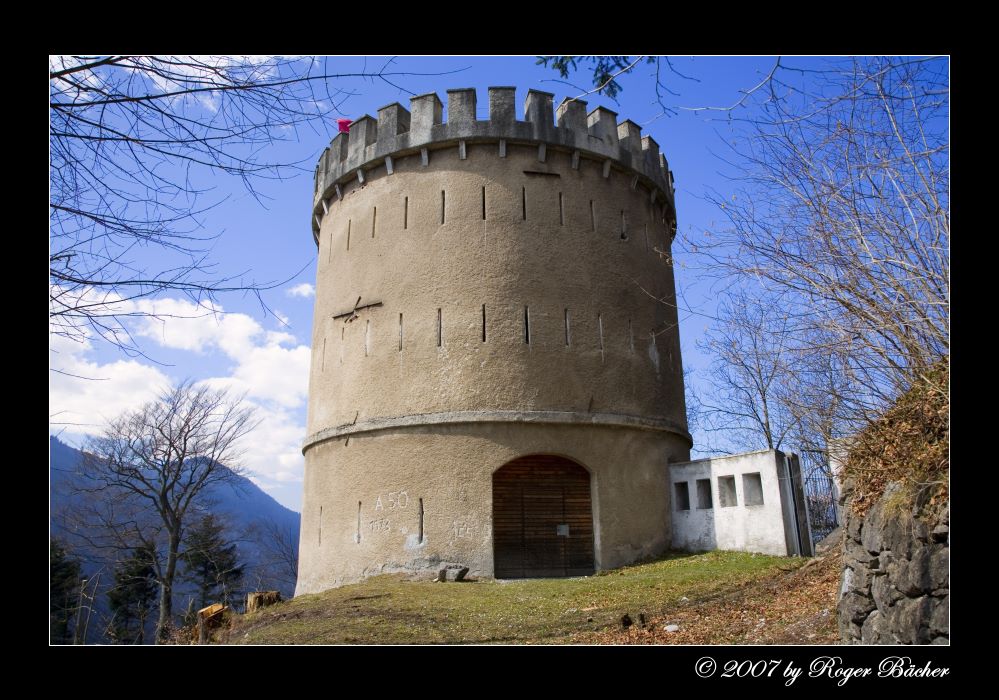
x,y
267,355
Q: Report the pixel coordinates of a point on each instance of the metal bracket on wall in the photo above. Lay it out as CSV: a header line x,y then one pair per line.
x,y
352,314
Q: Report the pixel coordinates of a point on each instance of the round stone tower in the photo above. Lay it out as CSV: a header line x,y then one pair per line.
x,y
496,379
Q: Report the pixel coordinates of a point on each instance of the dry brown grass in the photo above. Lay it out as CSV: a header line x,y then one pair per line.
x,y
797,607
907,445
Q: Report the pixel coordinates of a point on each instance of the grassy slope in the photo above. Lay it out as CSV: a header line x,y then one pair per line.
x,y
791,608
391,609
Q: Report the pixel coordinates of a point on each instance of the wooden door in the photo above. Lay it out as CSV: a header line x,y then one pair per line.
x,y
542,518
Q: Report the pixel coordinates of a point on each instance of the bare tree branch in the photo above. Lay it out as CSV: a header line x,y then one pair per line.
x,y
131,140
139,479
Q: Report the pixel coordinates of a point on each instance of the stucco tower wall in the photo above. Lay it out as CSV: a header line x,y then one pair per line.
x,y
515,223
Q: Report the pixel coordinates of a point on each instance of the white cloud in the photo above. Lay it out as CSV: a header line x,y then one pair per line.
x,y
273,451
83,394
269,367
304,289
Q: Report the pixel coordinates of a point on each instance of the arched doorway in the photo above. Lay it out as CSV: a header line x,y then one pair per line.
x,y
542,518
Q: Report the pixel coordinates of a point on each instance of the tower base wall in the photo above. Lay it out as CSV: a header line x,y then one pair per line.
x,y
415,498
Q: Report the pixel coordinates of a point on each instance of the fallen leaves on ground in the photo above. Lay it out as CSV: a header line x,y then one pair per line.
x,y
791,608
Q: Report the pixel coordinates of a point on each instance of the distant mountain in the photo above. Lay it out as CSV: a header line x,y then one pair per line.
x,y
265,532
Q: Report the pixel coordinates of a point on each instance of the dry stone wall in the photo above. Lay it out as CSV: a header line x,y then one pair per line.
x,y
896,576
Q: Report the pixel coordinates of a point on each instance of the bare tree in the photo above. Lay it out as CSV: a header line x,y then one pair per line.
x,y
751,377
136,143
141,479
843,217
278,548
841,220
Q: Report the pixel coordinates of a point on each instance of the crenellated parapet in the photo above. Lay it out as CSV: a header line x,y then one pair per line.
x,y
397,132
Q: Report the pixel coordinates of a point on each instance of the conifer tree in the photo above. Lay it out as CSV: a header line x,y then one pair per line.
x,y
64,588
133,595
210,562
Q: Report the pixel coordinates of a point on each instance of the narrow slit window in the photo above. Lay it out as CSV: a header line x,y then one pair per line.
x,y
320,526
523,202
561,210
593,217
348,234
374,218
646,237
624,226
400,332
367,336
752,489
682,495
440,330
600,329
405,212
322,366
527,325
483,323
568,333
483,202
357,535
421,522
343,332
704,494
442,207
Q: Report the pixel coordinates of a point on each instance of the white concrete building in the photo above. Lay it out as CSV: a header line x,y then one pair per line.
x,y
751,502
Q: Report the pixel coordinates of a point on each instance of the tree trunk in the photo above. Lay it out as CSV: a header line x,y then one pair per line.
x,y
166,591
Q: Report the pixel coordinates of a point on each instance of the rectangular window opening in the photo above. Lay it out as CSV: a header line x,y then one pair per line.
x,y
682,495
704,494
523,202
752,489
405,213
561,211
442,207
726,492
483,323
483,202
527,325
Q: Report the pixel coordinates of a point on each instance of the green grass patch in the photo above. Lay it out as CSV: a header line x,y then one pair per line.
x,y
392,610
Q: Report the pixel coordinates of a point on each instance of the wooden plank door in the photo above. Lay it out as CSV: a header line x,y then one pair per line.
x,y
542,518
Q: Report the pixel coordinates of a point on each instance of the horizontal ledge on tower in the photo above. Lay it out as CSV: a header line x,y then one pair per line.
x,y
465,417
